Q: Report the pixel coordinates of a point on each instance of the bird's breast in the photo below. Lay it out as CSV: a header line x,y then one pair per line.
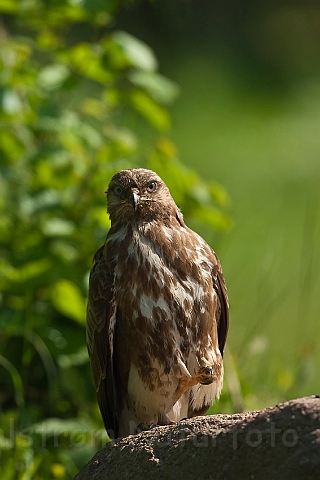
x,y
158,278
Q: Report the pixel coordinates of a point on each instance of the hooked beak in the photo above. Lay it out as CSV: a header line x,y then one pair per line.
x,y
135,199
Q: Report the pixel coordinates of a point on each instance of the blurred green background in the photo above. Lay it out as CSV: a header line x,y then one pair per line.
x,y
222,100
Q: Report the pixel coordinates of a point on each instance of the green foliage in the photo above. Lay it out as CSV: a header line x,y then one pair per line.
x,y
78,102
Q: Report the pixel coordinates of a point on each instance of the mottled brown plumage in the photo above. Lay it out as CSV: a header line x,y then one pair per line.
x,y
157,316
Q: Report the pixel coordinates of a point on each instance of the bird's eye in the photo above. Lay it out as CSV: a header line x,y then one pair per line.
x,y
152,186
118,190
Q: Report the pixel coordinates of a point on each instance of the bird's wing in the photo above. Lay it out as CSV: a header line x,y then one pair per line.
x,y
202,396
101,320
222,317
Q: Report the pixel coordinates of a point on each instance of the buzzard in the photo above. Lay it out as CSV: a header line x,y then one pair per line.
x,y
157,316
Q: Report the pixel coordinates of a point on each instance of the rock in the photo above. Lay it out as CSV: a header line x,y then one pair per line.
x,y
282,442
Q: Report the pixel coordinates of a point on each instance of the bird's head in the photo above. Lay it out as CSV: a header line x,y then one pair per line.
x,y
138,194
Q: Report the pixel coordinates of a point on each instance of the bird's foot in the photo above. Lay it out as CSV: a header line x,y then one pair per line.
x,y
143,427
205,375
163,420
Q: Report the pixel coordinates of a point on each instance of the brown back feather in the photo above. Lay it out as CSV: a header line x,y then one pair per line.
x,y
101,309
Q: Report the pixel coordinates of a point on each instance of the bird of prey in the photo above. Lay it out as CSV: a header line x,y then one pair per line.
x,y
157,316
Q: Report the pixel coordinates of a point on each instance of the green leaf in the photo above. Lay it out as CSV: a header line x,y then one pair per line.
x,y
9,6
159,87
138,54
10,145
74,359
219,194
25,272
11,102
86,59
57,426
68,300
212,217
47,359
16,379
57,227
53,76
155,115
